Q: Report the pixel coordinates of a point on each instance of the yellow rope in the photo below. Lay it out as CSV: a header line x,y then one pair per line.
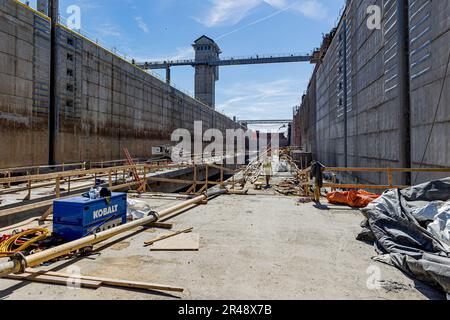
x,y
7,247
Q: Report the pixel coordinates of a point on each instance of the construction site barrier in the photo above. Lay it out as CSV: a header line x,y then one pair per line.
x,y
389,172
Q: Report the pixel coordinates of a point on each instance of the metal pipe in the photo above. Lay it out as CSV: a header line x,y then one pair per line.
x,y
19,263
168,80
345,92
53,10
404,89
7,267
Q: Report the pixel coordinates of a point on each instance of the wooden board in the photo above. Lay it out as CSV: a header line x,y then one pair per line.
x,y
112,282
160,225
42,278
181,242
166,236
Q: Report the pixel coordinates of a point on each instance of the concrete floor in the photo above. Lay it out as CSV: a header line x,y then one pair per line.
x,y
252,247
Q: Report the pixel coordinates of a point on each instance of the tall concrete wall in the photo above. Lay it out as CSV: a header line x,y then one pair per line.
x,y
430,49
374,107
304,129
103,104
24,85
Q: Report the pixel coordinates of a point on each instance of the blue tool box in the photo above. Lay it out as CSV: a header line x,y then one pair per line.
x,y
77,217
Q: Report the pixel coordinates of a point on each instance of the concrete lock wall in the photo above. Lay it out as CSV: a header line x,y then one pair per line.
x,y
374,107
103,103
430,48
106,104
24,85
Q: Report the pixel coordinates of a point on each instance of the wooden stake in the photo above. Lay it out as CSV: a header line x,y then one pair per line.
x,y
190,190
58,187
390,178
148,243
110,179
46,214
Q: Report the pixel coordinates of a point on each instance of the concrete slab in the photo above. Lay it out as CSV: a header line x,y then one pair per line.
x,y
252,247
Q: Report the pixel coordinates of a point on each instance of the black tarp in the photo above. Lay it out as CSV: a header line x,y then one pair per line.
x,y
402,241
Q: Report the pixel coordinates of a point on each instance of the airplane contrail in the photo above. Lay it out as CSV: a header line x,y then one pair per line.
x,y
257,21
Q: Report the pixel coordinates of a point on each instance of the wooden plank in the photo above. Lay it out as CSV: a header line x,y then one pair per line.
x,y
8,212
18,225
66,174
190,190
437,170
168,180
181,242
362,186
58,187
150,242
39,167
42,185
46,214
212,165
202,189
42,204
114,282
43,278
160,225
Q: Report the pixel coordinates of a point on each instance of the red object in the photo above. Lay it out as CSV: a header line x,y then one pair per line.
x,y
131,163
353,198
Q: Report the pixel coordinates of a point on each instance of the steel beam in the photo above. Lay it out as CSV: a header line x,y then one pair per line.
x,y
226,62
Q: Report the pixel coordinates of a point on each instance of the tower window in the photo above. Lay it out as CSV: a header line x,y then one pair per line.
x,y
70,57
70,41
70,72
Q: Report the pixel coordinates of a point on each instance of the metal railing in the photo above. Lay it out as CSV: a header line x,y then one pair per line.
x,y
388,171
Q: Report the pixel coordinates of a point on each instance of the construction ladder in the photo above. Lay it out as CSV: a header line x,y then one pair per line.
x,y
134,170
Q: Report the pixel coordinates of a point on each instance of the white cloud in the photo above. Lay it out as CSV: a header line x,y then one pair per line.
x,y
108,30
181,53
141,24
231,12
266,100
312,9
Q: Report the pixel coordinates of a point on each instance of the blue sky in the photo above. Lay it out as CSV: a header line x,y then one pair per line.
x,y
165,29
